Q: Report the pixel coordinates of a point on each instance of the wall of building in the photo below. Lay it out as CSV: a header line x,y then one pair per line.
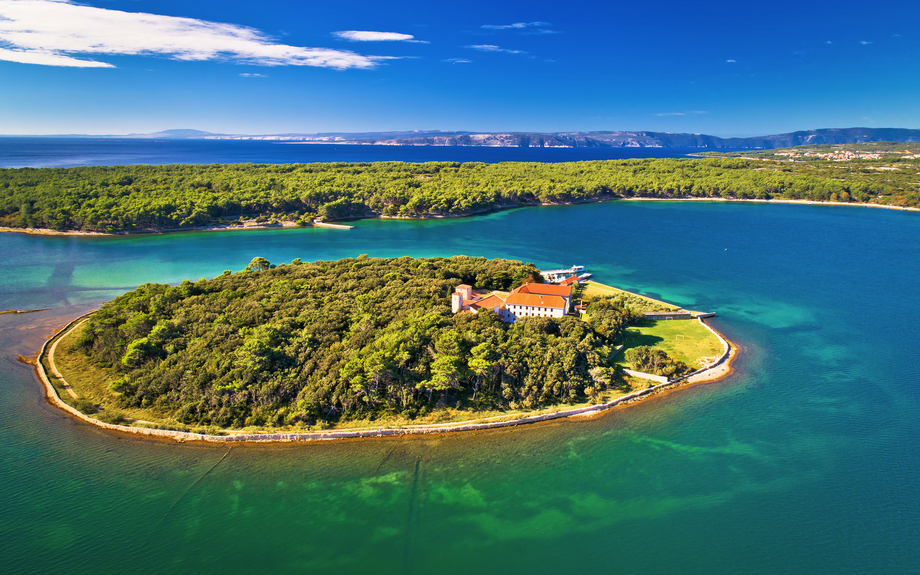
x,y
518,311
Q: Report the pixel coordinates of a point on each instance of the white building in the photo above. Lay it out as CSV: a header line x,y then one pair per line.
x,y
529,300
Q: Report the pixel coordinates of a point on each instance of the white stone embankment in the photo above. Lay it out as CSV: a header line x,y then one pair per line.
x,y
333,226
717,370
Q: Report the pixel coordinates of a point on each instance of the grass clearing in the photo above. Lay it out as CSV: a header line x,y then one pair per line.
x,y
683,339
592,288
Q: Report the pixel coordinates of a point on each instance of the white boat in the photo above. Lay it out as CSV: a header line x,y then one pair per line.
x,y
558,276
571,270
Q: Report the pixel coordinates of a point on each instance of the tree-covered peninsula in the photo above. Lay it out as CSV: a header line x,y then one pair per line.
x,y
318,343
133,198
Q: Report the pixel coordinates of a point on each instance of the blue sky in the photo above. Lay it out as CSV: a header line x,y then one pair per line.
x,y
724,68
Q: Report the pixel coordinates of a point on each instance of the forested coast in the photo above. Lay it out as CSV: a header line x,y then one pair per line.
x,y
121,199
313,344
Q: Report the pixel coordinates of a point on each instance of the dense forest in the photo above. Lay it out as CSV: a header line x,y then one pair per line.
x,y
308,343
126,198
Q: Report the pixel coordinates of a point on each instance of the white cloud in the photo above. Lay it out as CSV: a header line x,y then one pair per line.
x,y
46,58
865,42
367,36
515,26
730,61
248,75
493,48
459,60
50,32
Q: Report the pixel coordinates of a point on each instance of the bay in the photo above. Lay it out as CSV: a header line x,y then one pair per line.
x,y
805,460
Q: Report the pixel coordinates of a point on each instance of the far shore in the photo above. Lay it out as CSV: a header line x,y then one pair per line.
x,y
288,224
808,202
217,228
718,370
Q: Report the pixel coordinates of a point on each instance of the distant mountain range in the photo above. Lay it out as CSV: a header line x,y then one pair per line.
x,y
564,139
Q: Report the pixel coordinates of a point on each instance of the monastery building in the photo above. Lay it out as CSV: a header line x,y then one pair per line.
x,y
529,300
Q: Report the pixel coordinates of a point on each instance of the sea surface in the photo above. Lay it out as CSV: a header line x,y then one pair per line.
x,y
805,460
61,152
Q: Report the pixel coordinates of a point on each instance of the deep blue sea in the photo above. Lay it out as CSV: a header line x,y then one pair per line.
x,y
804,461
19,152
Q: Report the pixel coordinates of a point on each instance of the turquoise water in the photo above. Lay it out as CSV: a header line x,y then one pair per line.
x,y
805,460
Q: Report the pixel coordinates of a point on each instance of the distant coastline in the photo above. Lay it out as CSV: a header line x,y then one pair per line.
x,y
573,139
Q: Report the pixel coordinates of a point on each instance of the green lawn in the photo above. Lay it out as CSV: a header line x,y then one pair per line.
x,y
683,339
592,288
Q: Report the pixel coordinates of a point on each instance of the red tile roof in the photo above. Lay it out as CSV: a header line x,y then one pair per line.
x,y
535,300
491,302
545,289
570,280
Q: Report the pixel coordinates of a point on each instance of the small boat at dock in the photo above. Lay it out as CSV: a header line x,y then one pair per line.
x,y
557,276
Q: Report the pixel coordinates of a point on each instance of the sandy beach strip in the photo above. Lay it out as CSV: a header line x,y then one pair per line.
x,y
757,201
222,228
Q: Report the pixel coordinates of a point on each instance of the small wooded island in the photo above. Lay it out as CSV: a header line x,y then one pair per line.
x,y
365,342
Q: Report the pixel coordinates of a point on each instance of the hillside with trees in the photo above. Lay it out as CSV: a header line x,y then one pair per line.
x,y
137,198
324,342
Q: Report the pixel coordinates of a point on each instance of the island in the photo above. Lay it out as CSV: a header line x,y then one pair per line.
x,y
132,199
370,346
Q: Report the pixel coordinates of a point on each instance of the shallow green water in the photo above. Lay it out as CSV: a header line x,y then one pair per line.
x,y
805,460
